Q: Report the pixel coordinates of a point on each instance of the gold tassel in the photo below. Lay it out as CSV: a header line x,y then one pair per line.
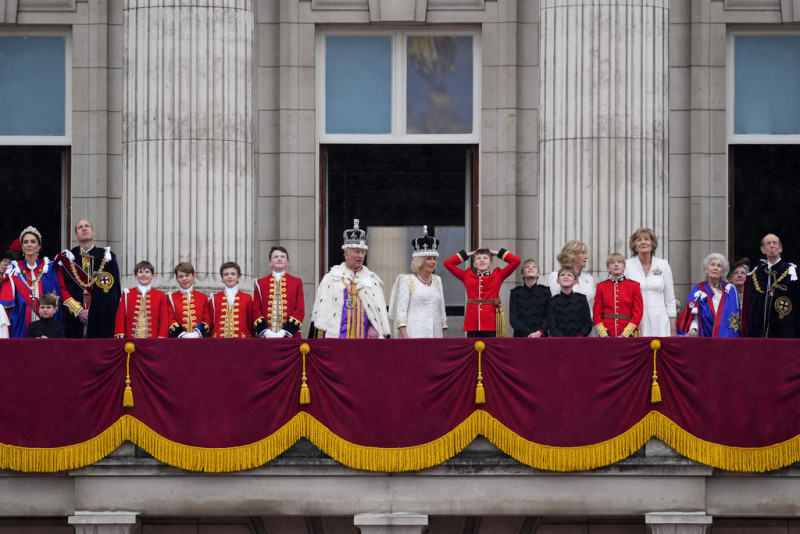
x,y
127,396
500,322
305,393
655,391
480,395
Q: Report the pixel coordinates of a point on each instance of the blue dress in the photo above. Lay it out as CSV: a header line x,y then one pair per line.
x,y
726,321
21,291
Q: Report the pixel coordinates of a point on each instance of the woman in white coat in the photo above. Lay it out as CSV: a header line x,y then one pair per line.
x,y
655,278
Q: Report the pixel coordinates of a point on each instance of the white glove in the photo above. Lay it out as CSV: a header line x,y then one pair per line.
x,y
191,335
284,333
268,334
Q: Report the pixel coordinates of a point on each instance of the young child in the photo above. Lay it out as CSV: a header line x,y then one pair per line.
x,y
568,315
231,309
190,308
46,326
143,311
618,304
483,314
528,303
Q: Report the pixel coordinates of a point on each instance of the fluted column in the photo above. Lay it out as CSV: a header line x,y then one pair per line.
x,y
603,125
188,134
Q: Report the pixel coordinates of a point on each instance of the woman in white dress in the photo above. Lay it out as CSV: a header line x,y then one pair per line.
x,y
655,278
416,306
575,254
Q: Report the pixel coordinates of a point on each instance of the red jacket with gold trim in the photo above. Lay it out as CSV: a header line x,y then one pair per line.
x,y
293,307
618,307
233,321
142,317
482,316
190,314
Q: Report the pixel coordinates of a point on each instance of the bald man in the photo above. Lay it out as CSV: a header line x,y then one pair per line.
x,y
770,295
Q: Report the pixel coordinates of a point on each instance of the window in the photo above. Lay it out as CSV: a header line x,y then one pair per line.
x,y
34,84
763,140
399,87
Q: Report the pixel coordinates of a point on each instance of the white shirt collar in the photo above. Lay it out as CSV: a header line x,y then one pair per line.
x,y
143,289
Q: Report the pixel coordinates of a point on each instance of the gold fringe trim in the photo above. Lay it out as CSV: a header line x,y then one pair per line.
x,y
583,458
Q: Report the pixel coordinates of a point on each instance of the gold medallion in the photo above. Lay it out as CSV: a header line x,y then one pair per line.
x,y
103,280
783,306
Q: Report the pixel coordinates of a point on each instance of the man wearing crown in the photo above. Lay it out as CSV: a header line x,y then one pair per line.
x,y
278,302
349,303
89,279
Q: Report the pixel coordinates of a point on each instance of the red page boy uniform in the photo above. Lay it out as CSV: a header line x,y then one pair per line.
x,y
278,306
483,291
233,316
618,307
192,313
142,315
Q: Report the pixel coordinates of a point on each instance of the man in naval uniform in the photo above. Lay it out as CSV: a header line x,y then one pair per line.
x,y
89,280
770,294
349,302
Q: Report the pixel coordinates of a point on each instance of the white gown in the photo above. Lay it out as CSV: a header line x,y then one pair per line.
x,y
658,294
418,307
4,324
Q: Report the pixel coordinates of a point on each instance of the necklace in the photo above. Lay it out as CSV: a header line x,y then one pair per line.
x,y
426,282
34,279
758,287
88,275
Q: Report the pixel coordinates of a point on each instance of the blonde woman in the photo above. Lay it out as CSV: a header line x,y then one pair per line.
x,y
655,279
574,255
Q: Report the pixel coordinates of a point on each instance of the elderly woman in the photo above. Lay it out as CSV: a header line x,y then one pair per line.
x,y
712,308
28,280
416,306
574,254
655,280
738,276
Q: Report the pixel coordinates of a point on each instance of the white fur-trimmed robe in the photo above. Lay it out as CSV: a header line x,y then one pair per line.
x,y
329,300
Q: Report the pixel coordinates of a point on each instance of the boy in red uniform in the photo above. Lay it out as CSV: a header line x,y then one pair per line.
x,y
278,303
231,309
190,308
618,304
483,289
143,311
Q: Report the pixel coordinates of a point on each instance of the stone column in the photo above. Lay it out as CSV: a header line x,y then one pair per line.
x,y
104,522
603,128
678,522
188,134
394,523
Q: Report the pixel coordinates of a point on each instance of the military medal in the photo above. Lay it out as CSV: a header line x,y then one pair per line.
x,y
104,280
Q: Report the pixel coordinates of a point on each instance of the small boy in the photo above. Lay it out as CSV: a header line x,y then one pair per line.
x,y
190,308
46,326
483,289
231,309
143,311
618,304
568,315
528,303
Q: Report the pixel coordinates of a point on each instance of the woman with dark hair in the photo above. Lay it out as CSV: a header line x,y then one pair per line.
x,y
712,307
655,280
28,280
738,276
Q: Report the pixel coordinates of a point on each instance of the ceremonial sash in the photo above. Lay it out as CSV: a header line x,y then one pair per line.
x,y
25,291
78,275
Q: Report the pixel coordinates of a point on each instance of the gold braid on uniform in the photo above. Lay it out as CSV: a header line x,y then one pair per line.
x,y
758,287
